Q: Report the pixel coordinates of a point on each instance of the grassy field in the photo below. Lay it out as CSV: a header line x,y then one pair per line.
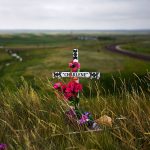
x,y
140,47
32,117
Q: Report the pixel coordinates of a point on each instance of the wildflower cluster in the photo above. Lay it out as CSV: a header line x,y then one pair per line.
x,y
70,90
82,118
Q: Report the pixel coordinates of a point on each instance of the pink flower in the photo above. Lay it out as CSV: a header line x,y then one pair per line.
x,y
74,66
70,64
57,85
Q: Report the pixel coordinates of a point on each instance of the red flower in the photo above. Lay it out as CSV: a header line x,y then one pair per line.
x,y
68,95
78,87
72,89
71,85
64,88
69,90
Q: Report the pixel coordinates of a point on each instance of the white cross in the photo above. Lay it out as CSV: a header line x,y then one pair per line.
x,y
90,75
78,75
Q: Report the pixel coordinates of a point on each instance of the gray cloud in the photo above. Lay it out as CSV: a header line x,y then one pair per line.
x,y
74,14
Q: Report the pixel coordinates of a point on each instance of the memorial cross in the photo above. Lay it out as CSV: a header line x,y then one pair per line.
x,y
77,74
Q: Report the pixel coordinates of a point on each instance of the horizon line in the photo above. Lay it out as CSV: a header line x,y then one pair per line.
x,y
78,29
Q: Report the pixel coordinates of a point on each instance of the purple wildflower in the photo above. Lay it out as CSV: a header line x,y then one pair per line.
x,y
83,119
3,146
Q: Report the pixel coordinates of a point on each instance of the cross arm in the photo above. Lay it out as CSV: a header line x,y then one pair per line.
x,y
91,75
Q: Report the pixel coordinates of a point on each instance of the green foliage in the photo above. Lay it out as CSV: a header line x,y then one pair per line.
x,y
140,47
105,38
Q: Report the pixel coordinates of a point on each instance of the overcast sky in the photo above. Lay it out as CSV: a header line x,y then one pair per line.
x,y
74,14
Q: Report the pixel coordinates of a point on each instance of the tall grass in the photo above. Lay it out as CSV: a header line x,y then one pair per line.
x,y
32,118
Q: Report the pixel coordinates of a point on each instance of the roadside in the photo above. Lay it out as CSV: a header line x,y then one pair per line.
x,y
117,49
